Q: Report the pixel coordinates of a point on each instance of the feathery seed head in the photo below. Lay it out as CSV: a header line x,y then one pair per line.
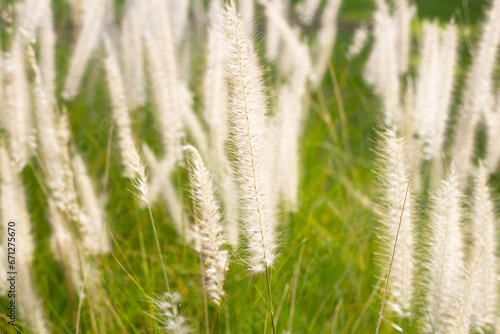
x,y
325,40
13,206
138,174
121,116
248,117
93,225
87,40
171,318
306,10
17,94
477,97
435,86
446,256
358,41
53,136
393,177
208,236
381,69
462,318
64,246
484,232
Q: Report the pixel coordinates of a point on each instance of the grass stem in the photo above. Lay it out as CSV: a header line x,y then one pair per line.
x,y
205,304
270,300
158,247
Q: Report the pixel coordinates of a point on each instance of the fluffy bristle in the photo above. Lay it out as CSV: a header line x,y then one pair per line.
x,y
446,255
484,231
121,115
477,96
93,227
209,236
394,176
138,174
169,314
248,116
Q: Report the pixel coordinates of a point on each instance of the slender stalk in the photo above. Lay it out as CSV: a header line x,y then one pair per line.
x,y
395,244
228,319
79,311
158,247
270,299
205,304
469,292
108,156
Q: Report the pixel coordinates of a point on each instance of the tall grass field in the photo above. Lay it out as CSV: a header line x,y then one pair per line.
x,y
249,166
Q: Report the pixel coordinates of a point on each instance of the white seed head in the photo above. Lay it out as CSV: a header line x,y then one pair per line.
x,y
138,174
394,176
87,41
170,317
325,41
446,256
485,297
478,95
248,118
209,236
93,230
381,69
121,116
434,87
